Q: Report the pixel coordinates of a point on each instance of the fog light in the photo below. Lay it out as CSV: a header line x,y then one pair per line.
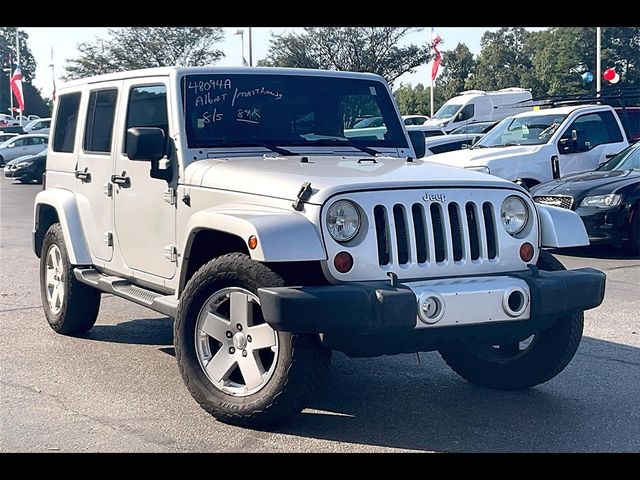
x,y
252,242
526,252
343,262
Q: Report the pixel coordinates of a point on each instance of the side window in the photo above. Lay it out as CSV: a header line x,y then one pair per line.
x,y
594,129
467,112
148,108
19,143
66,122
100,116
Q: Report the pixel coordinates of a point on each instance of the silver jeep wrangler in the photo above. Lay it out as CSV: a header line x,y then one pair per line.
x,y
244,203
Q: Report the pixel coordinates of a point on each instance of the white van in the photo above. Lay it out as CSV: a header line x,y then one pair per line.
x,y
477,106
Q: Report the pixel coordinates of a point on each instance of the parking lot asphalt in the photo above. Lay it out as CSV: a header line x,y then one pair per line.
x,y
118,389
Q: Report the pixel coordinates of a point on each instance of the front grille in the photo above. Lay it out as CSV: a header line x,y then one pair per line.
x,y
561,201
417,234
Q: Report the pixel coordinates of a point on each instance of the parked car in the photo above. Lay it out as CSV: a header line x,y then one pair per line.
x,y
521,147
7,120
272,245
39,125
22,145
478,127
16,129
448,143
6,136
607,199
479,106
28,168
414,119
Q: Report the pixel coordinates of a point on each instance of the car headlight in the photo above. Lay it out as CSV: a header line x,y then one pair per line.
x,y
602,201
514,214
343,220
23,164
479,168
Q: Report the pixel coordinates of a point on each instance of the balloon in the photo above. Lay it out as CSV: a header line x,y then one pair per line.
x,y
587,77
615,79
609,74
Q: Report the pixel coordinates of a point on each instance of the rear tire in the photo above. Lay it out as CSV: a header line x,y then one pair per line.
x,y
242,381
511,367
71,307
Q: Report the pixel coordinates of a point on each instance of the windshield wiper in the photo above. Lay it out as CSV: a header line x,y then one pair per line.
x,y
268,146
477,145
348,143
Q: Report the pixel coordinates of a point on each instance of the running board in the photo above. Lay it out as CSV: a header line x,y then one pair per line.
x,y
166,304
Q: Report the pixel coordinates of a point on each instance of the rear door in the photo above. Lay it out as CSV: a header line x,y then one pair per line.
x,y
95,166
598,138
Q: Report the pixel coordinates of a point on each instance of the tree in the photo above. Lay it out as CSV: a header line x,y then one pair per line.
x,y
506,60
355,49
34,104
621,48
146,47
458,65
415,100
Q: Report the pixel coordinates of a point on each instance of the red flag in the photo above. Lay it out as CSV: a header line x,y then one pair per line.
x,y
16,86
435,40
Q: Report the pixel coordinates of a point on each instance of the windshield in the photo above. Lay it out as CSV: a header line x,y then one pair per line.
x,y
530,130
625,160
287,110
471,128
447,110
7,143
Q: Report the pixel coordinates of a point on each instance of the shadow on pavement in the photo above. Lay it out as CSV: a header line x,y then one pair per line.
x,y
145,331
396,401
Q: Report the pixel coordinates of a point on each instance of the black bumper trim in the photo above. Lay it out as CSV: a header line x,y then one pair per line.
x,y
375,307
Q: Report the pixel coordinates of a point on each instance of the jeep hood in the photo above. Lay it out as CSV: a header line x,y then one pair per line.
x,y
282,177
479,156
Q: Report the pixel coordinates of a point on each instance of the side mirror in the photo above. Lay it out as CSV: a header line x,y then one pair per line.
x,y
146,144
418,142
567,145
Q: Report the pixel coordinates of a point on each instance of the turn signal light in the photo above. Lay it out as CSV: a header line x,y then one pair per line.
x,y
252,242
526,252
343,262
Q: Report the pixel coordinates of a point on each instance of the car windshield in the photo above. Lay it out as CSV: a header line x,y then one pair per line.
x,y
527,130
447,110
287,110
7,143
629,158
368,122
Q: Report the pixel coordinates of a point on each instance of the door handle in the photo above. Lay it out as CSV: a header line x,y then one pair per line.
x,y
123,179
84,176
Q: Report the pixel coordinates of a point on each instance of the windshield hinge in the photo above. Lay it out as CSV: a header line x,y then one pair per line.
x,y
169,196
303,195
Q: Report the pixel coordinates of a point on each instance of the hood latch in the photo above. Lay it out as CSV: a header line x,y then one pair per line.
x,y
303,195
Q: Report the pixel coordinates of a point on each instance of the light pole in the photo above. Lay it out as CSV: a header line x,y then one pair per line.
x,y
241,33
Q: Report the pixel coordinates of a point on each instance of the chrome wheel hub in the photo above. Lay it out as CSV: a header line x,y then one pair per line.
x,y
236,349
54,279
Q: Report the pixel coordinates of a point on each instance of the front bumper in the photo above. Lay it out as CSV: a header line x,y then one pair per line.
x,y
606,226
23,172
366,308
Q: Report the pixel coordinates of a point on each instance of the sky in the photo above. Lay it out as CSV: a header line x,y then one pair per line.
x,y
64,41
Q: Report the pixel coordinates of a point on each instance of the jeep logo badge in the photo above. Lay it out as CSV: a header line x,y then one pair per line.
x,y
434,197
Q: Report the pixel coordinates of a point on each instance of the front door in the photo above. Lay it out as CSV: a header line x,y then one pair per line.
x,y
590,140
144,211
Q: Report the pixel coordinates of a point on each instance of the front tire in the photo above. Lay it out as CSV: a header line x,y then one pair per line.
x,y
71,307
524,364
234,364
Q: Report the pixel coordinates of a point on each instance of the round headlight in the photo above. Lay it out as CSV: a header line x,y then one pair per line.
x,y
343,220
514,214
